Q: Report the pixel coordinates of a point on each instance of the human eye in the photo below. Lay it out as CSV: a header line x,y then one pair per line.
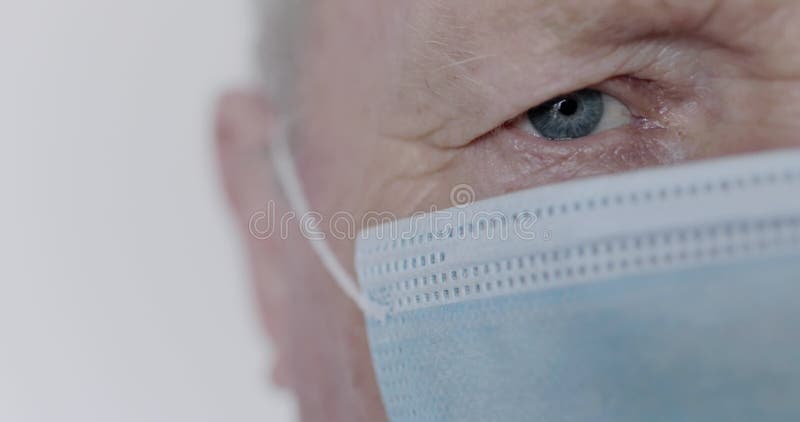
x,y
616,124
575,115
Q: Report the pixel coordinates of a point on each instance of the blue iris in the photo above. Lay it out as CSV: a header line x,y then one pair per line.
x,y
569,116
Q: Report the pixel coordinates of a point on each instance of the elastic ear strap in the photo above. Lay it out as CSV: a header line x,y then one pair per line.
x,y
290,182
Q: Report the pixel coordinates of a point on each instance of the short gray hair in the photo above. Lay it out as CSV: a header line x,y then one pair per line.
x,y
279,42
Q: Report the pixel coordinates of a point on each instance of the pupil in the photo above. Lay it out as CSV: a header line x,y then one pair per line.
x,y
568,107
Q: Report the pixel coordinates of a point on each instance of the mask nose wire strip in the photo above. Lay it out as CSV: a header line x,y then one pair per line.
x,y
290,182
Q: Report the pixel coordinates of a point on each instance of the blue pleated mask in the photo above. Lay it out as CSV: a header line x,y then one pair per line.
x,y
668,294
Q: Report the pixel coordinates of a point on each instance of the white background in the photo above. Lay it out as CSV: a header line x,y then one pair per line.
x,y
123,293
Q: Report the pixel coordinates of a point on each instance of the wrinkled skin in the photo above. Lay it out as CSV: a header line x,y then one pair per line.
x,y
399,101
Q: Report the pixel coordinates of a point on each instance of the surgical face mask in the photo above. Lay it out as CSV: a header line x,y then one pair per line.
x,y
669,294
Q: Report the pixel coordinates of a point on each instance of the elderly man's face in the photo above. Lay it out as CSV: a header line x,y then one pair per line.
x,y
400,101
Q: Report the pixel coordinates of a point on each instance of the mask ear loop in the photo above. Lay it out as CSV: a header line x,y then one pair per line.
x,y
290,182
